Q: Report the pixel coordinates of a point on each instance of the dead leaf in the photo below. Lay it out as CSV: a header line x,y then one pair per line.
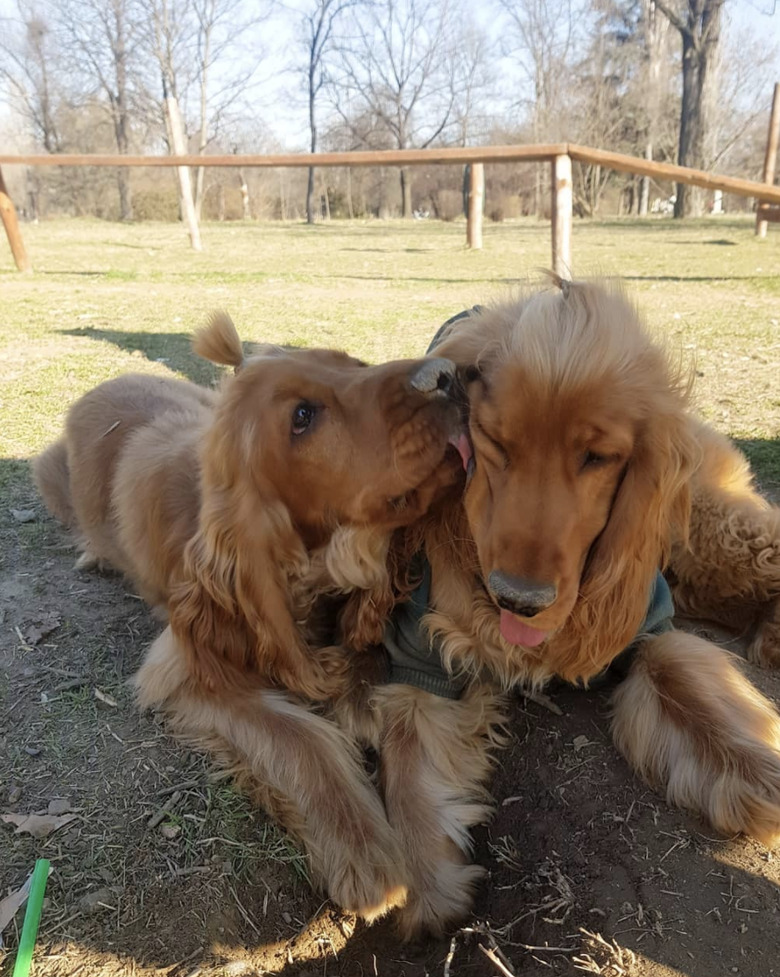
x,y
109,700
60,805
24,515
42,629
38,825
580,742
12,904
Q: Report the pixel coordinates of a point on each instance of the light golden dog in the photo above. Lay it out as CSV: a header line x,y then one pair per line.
x,y
234,511
585,461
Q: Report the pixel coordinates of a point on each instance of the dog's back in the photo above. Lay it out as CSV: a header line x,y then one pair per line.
x,y
81,477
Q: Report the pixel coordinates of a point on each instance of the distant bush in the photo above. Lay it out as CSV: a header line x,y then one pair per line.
x,y
155,205
504,206
447,204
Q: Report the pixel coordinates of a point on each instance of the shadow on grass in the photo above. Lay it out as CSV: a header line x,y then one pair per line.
x,y
764,457
173,349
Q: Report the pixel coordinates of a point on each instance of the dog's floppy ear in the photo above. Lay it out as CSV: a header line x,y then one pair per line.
x,y
652,506
233,612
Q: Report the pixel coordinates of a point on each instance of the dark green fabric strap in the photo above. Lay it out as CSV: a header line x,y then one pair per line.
x,y
415,659
443,329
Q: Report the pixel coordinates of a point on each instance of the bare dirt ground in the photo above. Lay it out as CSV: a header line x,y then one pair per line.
x,y
164,870
160,869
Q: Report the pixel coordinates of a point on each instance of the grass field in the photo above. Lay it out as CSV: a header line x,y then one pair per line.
x,y
106,298
211,888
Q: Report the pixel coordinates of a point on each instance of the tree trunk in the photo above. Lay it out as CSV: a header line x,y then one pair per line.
x,y
350,210
245,211
310,215
644,193
125,193
122,121
406,192
699,50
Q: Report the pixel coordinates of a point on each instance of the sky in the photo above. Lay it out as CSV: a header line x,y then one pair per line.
x,y
283,114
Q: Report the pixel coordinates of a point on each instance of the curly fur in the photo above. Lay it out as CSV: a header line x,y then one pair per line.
x,y
730,570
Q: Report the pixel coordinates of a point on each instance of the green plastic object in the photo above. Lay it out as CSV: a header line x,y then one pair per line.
x,y
32,918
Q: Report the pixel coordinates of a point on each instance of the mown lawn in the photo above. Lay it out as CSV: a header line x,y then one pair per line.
x,y
105,298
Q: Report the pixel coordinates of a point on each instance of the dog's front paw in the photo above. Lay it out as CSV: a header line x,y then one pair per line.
x,y
324,676
368,885
444,903
764,649
690,723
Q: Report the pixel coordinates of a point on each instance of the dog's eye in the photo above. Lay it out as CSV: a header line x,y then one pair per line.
x,y
302,417
593,460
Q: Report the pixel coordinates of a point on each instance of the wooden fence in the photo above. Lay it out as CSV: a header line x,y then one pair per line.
x,y
558,155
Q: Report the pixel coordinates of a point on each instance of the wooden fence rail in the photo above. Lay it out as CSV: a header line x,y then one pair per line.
x,y
559,155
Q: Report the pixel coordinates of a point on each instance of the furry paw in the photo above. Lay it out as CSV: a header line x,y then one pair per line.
x,y
764,649
442,905
367,888
692,725
87,560
325,676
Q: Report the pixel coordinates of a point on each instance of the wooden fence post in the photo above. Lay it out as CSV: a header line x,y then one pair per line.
x,y
770,160
11,224
476,198
561,209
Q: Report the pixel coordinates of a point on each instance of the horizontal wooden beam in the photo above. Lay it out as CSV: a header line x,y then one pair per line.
x,y
412,157
385,157
680,174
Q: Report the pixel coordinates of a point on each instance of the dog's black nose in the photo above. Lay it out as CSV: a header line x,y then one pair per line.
x,y
434,376
523,597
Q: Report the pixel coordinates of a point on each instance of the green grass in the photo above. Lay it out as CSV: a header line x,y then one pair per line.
x,y
110,298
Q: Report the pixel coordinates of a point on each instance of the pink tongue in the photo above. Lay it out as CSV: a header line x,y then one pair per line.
x,y
464,449
517,633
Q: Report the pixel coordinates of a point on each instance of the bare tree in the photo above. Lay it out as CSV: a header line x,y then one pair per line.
x,y
655,36
318,23
223,29
103,38
699,26
540,37
396,69
32,75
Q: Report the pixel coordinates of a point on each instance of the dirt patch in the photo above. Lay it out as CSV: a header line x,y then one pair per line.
x,y
166,870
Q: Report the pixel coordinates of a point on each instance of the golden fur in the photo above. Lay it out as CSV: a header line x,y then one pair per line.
x,y
585,459
234,511
730,570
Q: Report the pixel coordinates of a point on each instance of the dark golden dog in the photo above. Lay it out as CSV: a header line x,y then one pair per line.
x,y
234,511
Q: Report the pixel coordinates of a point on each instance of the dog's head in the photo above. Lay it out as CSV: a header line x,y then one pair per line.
x,y
335,441
582,454
301,442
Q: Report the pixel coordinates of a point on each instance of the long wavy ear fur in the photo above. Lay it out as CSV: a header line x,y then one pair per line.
x,y
232,611
652,506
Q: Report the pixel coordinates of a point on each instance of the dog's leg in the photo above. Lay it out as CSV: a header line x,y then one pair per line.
x,y
730,570
300,767
434,761
764,649
691,724
52,479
